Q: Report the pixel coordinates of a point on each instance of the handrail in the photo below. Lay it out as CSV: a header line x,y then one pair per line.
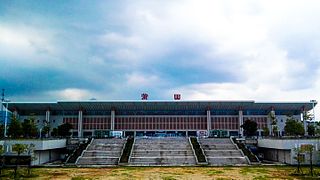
x,y
246,157
73,153
233,142
68,158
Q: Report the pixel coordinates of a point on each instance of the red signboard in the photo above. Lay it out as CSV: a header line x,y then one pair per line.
x,y
177,96
144,96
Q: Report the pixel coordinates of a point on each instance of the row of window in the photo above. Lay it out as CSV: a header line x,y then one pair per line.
x,y
167,122
96,123
162,112
96,126
71,120
170,123
231,123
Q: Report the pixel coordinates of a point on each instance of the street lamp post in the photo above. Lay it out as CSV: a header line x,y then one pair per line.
x,y
2,100
6,118
314,115
40,130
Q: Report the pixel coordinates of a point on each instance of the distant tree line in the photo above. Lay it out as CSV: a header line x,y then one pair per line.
x,y
293,127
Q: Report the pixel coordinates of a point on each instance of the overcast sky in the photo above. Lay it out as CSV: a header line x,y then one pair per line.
x,y
116,50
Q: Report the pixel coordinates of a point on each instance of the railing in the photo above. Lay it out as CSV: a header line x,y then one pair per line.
x,y
75,153
89,144
251,158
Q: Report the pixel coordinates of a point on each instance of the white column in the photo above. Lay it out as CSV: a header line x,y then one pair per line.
x,y
304,123
268,126
113,114
6,121
48,116
80,124
208,121
240,122
47,121
273,114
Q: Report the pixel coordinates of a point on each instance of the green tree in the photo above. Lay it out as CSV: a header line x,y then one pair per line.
x,y
45,130
14,128
311,130
299,158
293,127
249,127
275,130
266,131
54,132
317,128
309,148
19,149
29,128
306,116
30,149
64,129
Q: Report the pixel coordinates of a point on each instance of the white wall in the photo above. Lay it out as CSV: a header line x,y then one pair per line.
x,y
278,149
286,143
39,144
46,156
45,150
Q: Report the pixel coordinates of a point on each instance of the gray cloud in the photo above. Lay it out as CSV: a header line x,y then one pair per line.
x,y
108,50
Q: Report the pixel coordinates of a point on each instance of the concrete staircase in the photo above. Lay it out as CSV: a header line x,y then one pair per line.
x,y
221,152
102,152
154,151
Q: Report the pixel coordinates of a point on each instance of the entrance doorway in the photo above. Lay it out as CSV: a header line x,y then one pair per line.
x,y
218,133
101,134
161,133
128,133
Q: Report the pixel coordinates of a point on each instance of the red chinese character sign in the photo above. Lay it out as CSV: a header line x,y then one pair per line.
x,y
144,96
177,96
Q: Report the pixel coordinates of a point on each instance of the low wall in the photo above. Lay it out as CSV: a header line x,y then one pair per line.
x,y
40,144
284,150
46,150
287,143
41,157
277,155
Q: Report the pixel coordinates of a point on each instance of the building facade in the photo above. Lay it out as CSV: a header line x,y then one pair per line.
x,y
158,118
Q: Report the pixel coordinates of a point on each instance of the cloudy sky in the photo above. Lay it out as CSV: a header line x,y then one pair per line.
x,y
204,49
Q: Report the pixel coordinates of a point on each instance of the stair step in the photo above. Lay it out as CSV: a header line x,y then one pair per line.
x,y
102,152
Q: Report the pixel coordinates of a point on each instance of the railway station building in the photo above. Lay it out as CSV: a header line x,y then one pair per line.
x,y
95,118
